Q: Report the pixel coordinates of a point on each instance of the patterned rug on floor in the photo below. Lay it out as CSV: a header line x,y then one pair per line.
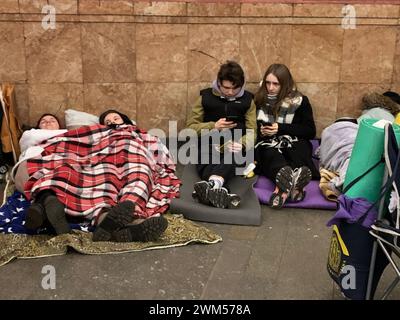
x,y
15,243
180,232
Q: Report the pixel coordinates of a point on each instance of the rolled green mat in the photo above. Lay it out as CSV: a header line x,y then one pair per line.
x,y
367,151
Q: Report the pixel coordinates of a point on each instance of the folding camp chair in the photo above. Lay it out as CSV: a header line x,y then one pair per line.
x,y
386,229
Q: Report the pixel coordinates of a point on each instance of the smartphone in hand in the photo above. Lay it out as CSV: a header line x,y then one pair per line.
x,y
232,118
265,123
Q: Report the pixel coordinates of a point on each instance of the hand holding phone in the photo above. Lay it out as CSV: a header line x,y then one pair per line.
x,y
265,123
232,118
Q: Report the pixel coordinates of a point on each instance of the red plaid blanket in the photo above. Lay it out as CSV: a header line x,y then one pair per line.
x,y
95,167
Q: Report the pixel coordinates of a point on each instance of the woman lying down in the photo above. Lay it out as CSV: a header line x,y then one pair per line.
x,y
120,178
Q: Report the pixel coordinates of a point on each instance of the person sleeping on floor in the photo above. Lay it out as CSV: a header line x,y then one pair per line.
x,y
116,175
337,140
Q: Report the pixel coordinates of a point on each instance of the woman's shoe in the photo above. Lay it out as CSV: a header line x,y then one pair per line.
x,y
284,179
117,218
277,200
301,177
145,230
297,195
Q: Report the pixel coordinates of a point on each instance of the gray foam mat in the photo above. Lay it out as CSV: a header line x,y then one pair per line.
x,y
248,213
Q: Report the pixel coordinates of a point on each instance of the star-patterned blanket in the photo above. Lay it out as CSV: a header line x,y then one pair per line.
x,y
14,243
12,217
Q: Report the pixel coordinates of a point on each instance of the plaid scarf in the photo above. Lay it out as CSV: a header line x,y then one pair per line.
x,y
286,110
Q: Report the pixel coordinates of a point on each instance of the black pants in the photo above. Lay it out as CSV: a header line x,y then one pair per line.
x,y
219,164
227,171
270,160
213,162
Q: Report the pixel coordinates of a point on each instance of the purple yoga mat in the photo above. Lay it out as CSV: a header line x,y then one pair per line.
x,y
313,200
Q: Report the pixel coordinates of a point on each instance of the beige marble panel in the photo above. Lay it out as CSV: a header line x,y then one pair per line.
x,y
108,52
215,20
209,46
9,6
161,53
97,18
395,87
317,10
368,55
53,55
396,61
22,98
350,95
65,6
213,9
159,103
12,62
278,45
160,8
316,52
31,6
377,10
323,98
105,96
53,98
193,93
266,10
253,50
105,7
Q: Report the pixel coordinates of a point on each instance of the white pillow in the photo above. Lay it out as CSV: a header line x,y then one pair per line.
x,y
75,119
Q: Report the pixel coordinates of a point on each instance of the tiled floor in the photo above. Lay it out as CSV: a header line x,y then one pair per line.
x,y
284,258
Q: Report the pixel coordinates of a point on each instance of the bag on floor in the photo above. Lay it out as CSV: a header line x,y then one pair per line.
x,y
349,259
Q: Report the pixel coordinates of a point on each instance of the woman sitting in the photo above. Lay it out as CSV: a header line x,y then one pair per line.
x,y
285,126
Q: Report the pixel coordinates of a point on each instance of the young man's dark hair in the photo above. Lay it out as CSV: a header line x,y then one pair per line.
x,y
232,72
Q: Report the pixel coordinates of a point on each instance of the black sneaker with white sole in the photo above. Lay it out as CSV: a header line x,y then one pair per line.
x,y
284,179
301,177
221,198
200,192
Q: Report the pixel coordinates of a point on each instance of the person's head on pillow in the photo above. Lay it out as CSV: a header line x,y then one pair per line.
x,y
48,121
113,117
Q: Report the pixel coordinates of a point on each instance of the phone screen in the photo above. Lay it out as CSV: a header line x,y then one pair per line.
x,y
232,118
265,123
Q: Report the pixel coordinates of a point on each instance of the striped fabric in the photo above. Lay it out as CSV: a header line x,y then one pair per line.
x,y
95,167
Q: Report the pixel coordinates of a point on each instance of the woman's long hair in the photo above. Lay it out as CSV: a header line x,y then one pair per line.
x,y
288,86
124,117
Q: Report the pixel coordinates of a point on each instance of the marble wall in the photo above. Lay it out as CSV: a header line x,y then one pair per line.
x,y
149,59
